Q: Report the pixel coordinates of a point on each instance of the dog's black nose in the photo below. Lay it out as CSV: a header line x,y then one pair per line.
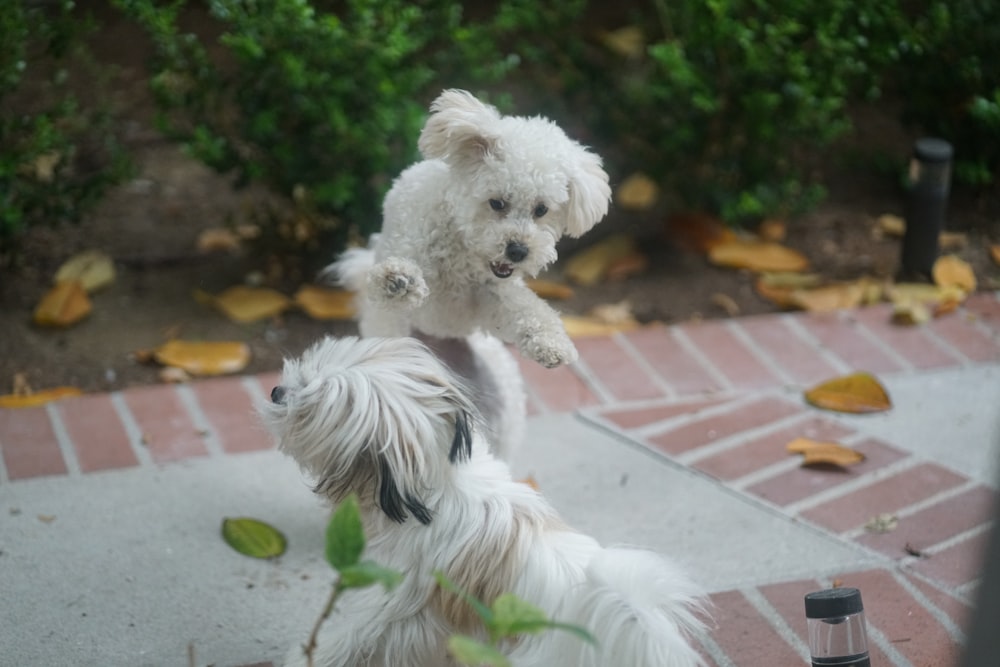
x,y
278,395
516,251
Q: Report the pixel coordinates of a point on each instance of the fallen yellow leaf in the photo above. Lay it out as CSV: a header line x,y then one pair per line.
x,y
204,357
217,239
548,289
953,240
757,256
625,267
930,295
910,313
772,230
249,304
590,266
829,298
995,253
857,393
325,303
37,398
699,232
92,268
815,452
578,326
780,286
891,225
638,192
953,271
65,304
726,303
627,42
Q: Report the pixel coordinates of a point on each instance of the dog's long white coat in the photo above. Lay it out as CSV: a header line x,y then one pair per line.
x,y
350,403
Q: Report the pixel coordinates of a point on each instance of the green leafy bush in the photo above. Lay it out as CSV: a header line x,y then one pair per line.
x,y
57,155
320,101
948,79
721,99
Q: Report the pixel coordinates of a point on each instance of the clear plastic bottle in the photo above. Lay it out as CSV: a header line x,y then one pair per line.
x,y
838,634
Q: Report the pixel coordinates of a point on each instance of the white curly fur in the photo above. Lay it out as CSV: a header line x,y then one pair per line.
x,y
462,229
385,419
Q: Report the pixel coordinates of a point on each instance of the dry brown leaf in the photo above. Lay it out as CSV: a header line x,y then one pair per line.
x,y
772,229
930,295
829,298
590,266
910,313
217,239
995,253
37,398
325,303
891,225
815,452
882,523
953,271
857,393
726,303
614,313
549,289
625,267
65,304
780,296
698,232
953,240
249,304
638,192
758,256
587,326
92,269
204,357
628,42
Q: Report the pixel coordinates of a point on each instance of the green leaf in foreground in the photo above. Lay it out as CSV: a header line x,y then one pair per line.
x,y
468,651
513,616
345,536
253,538
367,573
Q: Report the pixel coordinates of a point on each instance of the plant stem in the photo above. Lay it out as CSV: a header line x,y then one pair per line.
x,y
335,591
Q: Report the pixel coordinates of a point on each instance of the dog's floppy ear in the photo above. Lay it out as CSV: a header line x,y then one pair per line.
x,y
395,502
459,128
589,193
461,445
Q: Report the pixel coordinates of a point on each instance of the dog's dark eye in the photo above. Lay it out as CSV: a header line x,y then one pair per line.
x,y
498,204
541,210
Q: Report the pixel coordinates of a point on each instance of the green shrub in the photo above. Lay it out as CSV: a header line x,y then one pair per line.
x,y
322,102
57,155
725,98
948,79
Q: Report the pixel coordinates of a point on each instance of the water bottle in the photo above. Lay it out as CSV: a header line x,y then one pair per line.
x,y
837,632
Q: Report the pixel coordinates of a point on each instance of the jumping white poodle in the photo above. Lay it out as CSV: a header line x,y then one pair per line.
x,y
462,229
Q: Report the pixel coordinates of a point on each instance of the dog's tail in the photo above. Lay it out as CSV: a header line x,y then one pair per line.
x,y
351,268
641,608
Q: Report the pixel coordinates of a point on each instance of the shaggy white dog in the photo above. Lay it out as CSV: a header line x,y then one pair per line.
x,y
385,419
462,229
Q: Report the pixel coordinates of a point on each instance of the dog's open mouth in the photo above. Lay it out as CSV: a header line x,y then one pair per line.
x,y
502,269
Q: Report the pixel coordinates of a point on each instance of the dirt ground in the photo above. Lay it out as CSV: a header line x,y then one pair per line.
x,y
149,225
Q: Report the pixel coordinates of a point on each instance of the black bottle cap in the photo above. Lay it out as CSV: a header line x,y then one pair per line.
x,y
930,149
833,602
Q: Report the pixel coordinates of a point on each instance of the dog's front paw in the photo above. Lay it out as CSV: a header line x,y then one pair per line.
x,y
397,281
549,350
